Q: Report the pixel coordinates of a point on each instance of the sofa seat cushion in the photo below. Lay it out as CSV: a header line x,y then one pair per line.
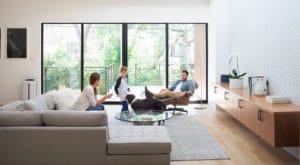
x,y
65,118
124,140
20,118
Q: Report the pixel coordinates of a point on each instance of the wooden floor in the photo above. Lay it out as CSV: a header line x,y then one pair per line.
x,y
243,146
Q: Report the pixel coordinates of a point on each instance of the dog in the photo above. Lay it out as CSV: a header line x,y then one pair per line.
x,y
145,104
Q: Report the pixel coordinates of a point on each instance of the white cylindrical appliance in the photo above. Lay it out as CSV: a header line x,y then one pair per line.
x,y
29,89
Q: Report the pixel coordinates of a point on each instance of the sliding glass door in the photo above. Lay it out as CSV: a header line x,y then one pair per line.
x,y
187,51
155,54
146,56
102,53
61,57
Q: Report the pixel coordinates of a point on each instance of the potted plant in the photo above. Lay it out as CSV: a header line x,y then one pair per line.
x,y
231,62
236,80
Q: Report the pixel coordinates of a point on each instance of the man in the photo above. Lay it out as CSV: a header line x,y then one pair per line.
x,y
179,89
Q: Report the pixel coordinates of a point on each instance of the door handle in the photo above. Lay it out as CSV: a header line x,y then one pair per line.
x,y
225,94
239,103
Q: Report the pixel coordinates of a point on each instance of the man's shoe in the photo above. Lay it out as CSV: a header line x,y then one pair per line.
x,y
148,94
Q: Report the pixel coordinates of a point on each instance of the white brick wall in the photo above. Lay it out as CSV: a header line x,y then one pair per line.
x,y
266,34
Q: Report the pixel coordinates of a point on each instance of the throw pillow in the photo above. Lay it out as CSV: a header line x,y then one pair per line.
x,y
36,104
64,99
50,99
13,106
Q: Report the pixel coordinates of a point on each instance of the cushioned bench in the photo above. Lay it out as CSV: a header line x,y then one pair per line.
x,y
140,141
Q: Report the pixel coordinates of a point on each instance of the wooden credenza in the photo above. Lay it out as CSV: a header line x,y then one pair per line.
x,y
277,124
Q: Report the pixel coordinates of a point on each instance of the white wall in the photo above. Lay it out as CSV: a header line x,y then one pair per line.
x,y
219,37
31,13
266,34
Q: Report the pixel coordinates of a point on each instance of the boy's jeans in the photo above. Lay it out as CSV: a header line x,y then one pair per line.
x,y
124,106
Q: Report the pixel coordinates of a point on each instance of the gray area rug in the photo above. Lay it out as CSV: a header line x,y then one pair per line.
x,y
190,139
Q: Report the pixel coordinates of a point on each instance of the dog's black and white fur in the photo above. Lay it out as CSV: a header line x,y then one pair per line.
x,y
145,104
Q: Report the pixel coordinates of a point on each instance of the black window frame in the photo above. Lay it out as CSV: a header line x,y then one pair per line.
x,y
124,48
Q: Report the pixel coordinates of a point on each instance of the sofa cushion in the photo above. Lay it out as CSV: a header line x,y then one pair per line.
x,y
64,99
20,118
124,140
13,106
50,99
75,118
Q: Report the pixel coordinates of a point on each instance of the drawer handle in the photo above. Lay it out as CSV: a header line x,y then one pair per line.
x,y
239,103
225,94
259,112
215,90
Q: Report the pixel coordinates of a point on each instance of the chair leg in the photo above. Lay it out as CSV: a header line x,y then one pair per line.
x,y
174,109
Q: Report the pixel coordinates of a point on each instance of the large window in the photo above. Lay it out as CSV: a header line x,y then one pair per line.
x,y
61,56
146,55
187,50
102,53
154,53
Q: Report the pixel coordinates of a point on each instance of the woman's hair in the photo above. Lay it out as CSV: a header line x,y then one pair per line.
x,y
123,68
93,78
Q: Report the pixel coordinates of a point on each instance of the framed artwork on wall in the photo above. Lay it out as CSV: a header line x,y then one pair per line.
x,y
16,43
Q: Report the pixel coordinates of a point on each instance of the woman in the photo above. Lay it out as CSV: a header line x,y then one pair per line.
x,y
87,101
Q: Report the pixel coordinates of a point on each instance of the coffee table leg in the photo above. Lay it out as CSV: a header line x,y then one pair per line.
x,y
159,122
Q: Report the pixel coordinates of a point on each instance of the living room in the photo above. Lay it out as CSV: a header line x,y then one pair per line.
x,y
49,50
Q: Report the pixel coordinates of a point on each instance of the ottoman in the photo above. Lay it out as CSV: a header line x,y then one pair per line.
x,y
138,145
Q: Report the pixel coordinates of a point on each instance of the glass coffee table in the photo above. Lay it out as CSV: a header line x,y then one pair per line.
x,y
144,117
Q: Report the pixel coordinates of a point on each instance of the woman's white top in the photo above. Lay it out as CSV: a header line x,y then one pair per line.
x,y
85,100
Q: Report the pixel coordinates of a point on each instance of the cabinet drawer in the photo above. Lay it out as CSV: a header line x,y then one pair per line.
x,y
238,104
267,127
250,117
223,99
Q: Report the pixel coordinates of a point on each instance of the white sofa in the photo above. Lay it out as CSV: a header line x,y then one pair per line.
x,y
78,137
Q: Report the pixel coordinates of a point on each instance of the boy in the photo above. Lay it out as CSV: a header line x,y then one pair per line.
x,y
121,88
